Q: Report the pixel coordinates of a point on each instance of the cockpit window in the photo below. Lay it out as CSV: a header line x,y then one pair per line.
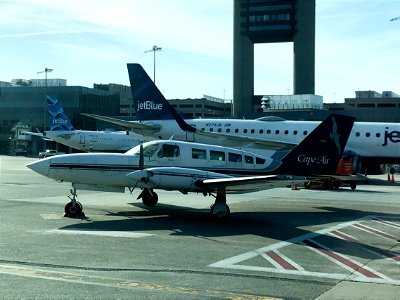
x,y
148,149
169,151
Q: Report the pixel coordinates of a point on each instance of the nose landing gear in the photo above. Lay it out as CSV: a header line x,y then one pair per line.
x,y
74,208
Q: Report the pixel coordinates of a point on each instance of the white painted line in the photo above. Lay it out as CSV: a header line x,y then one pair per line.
x,y
387,223
343,236
119,234
52,216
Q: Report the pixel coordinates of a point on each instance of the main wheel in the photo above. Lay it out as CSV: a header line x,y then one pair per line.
x,y
220,214
73,211
149,198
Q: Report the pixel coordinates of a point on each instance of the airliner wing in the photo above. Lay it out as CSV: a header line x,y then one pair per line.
x,y
130,125
240,141
39,134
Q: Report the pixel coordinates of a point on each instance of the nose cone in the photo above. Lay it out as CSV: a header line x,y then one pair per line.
x,y
40,166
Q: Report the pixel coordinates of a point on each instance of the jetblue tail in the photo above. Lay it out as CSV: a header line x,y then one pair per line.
x,y
150,103
58,119
321,151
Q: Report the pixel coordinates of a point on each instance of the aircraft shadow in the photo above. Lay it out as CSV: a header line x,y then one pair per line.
x,y
277,225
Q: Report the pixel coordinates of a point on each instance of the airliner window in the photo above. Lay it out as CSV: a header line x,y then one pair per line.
x,y
305,132
276,131
244,130
269,131
211,129
228,130
236,130
168,151
217,155
286,131
378,134
367,134
234,157
295,132
261,131
357,134
219,129
252,131
199,154
260,161
248,159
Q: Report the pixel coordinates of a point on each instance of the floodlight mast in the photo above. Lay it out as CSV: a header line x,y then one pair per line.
x,y
46,70
154,50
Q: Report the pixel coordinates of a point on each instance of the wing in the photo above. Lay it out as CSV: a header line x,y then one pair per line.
x,y
248,183
137,127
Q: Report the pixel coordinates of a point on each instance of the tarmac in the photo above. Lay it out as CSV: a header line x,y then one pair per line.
x,y
277,244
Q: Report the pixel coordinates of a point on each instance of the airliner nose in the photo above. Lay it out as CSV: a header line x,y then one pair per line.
x,y
40,166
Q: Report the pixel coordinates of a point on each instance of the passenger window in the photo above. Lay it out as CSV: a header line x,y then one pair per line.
x,y
276,131
168,151
269,131
378,135
234,157
295,132
248,159
261,131
217,155
219,129
228,130
305,132
199,154
260,161
236,130
357,134
245,131
211,129
252,131
367,134
286,131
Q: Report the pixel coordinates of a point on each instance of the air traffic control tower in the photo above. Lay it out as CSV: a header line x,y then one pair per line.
x,y
271,21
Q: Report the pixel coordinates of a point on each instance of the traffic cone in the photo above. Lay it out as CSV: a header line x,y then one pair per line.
x,y
295,187
392,180
388,176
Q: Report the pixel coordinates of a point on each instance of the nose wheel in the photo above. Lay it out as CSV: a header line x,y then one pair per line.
x,y
74,208
149,197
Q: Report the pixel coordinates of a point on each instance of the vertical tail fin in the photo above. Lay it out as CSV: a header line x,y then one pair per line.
x,y
321,151
58,119
149,102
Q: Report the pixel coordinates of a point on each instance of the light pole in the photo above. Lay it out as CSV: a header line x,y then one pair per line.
x,y
154,50
46,70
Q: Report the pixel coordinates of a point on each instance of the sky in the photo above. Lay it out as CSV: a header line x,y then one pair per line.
x,y
91,41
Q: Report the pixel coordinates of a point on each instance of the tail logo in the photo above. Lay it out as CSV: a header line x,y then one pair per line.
x,y
60,121
335,136
149,105
324,160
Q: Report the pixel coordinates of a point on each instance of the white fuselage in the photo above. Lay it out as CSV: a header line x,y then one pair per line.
x,y
367,139
182,164
86,140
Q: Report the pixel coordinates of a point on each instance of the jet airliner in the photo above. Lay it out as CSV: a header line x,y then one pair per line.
x,y
63,132
370,143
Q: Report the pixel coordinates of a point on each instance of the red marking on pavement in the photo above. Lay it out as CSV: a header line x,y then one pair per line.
x,y
341,259
378,232
280,260
342,235
387,222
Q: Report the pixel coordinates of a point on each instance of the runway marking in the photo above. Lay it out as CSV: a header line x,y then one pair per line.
x,y
119,234
52,216
388,223
37,273
283,265
376,232
342,236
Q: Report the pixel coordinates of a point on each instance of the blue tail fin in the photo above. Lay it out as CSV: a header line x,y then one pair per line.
x,y
57,117
150,104
321,150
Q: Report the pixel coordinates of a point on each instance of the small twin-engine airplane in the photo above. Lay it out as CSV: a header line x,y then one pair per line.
x,y
370,143
62,131
201,168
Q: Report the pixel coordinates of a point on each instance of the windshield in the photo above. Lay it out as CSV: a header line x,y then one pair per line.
x,y
148,149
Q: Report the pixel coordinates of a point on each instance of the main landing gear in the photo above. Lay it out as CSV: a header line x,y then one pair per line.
x,y
220,210
73,209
